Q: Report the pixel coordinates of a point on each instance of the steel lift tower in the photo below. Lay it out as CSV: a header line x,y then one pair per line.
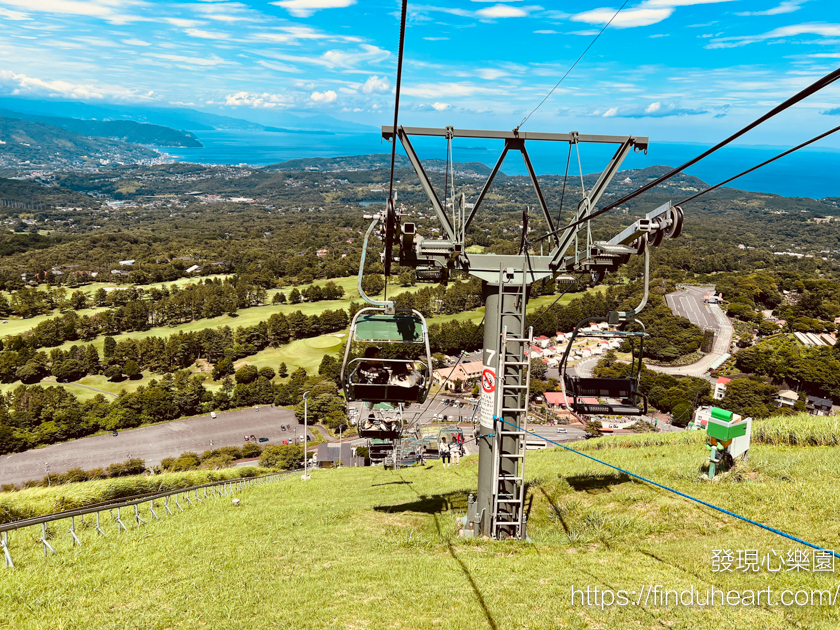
x,y
498,509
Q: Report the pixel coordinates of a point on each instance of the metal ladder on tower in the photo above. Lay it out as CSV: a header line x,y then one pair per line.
x,y
512,395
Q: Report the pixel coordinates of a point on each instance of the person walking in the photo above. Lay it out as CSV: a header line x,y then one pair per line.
x,y
445,454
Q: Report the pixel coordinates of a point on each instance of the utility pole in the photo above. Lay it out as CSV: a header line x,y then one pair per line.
x,y
305,476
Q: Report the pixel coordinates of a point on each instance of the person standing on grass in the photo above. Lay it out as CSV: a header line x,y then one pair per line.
x,y
445,454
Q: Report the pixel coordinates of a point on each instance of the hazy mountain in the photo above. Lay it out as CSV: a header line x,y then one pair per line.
x,y
37,143
125,130
184,118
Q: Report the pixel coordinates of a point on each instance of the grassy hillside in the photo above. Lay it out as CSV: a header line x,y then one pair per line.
x,y
369,548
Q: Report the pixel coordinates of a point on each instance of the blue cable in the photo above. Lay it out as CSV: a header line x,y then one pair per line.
x,y
678,493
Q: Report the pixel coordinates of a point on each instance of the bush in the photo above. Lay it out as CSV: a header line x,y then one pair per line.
x,y
283,456
133,466
185,461
246,374
217,462
251,450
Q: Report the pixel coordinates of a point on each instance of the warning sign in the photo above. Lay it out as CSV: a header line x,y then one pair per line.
x,y
488,386
488,381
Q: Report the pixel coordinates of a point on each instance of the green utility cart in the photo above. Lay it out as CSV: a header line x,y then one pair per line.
x,y
729,438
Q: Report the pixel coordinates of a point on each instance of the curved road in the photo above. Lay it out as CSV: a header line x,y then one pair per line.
x,y
152,443
689,304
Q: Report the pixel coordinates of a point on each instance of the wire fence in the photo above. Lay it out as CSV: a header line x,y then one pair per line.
x,y
152,510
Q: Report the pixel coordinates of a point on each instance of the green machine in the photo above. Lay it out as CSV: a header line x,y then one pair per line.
x,y
729,438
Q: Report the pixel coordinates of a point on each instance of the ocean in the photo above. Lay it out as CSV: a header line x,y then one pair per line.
x,y
807,173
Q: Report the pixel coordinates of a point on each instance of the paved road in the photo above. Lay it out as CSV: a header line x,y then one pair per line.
x,y
151,443
689,304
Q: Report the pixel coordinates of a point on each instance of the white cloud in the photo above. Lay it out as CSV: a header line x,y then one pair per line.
x,y
629,18
290,34
440,106
324,97
436,39
653,107
192,61
21,84
647,13
678,3
305,8
183,23
202,34
375,84
822,29
135,42
491,74
612,111
546,32
350,59
789,6
280,67
15,16
109,10
259,101
502,11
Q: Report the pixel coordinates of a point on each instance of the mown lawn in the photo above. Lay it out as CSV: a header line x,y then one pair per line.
x,y
370,548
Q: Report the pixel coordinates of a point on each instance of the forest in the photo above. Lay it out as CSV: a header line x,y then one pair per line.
x,y
297,227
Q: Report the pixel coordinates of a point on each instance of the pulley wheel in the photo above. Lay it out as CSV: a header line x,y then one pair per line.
x,y
657,237
675,229
640,244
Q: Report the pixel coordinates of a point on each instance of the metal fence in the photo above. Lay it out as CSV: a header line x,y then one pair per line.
x,y
189,496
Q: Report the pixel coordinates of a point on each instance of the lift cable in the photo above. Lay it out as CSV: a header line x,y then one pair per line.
x,y
678,493
397,98
565,179
765,163
793,100
556,85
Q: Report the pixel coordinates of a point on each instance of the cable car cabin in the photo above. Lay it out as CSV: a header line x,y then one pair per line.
x,y
623,389
374,379
453,435
381,427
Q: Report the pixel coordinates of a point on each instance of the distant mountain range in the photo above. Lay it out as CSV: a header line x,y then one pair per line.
x,y
125,130
185,118
374,162
39,144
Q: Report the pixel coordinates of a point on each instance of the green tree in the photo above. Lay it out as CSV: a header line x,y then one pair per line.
x,y
283,370
373,284
294,296
132,370
283,456
246,374
267,373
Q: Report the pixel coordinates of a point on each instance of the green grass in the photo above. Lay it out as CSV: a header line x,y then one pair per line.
x,y
305,353
799,430
33,502
369,548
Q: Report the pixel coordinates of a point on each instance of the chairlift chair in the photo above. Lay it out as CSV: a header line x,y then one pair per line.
x,y
372,326
377,430
626,390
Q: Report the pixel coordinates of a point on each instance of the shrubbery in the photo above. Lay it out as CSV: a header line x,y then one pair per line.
x,y
283,456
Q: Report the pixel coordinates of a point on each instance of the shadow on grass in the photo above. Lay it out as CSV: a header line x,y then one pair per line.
x,y
391,483
432,504
597,485
465,570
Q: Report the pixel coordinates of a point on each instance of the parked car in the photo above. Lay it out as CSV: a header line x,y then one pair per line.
x,y
561,430
213,414
263,439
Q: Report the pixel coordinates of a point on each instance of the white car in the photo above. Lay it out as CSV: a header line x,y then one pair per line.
x,y
561,430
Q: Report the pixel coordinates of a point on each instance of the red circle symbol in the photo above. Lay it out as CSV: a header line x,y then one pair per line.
x,y
488,381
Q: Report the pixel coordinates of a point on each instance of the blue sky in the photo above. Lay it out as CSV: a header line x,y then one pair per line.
x,y
677,70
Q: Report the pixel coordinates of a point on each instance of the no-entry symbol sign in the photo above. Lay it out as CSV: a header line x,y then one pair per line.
x,y
488,381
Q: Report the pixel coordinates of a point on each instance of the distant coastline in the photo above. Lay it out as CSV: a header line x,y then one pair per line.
x,y
808,173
